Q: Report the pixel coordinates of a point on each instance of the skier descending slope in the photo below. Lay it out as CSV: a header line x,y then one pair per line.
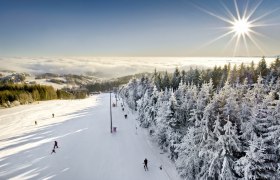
x,y
55,146
86,139
146,164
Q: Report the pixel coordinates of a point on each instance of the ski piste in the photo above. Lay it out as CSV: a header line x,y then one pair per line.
x,y
87,149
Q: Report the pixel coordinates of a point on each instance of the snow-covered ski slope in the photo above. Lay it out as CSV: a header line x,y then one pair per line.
x,y
87,149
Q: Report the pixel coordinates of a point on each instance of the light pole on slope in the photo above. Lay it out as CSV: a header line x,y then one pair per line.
x,y
111,128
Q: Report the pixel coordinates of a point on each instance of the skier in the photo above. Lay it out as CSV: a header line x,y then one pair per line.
x,y
160,167
53,115
125,116
146,164
35,122
55,145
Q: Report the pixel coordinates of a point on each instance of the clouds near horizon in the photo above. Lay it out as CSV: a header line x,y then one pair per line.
x,y
110,67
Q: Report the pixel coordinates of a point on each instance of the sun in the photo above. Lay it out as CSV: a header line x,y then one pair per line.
x,y
241,27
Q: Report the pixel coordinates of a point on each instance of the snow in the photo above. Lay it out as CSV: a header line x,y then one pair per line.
x,y
87,149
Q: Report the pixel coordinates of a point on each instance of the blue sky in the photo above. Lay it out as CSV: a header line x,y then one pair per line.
x,y
130,28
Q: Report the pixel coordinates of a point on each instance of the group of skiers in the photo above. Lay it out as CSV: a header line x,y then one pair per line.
x,y
125,116
36,121
146,165
145,160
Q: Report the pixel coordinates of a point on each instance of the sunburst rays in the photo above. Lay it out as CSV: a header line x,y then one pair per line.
x,y
242,26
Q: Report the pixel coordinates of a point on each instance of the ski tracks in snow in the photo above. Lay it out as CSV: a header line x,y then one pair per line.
x,y
87,149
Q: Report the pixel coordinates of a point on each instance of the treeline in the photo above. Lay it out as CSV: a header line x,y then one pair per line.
x,y
232,73
14,94
108,85
103,86
228,130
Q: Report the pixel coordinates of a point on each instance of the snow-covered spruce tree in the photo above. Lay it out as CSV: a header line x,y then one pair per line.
x,y
219,150
258,91
230,144
266,166
147,109
165,81
205,139
190,157
160,133
246,105
192,160
143,85
198,101
220,121
180,93
231,108
174,134
152,110
188,162
186,97
274,133
250,165
206,148
157,79
167,122
131,93
176,79
135,90
143,106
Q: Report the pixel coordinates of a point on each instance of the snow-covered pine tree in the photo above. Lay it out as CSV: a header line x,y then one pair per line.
x,y
188,162
262,133
161,119
165,81
230,143
152,111
185,105
176,79
250,166
168,124
131,93
143,109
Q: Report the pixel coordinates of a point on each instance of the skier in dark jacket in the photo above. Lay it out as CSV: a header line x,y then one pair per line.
x,y
146,164
55,145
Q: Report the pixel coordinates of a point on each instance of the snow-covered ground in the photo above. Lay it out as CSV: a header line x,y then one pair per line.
x,y
87,149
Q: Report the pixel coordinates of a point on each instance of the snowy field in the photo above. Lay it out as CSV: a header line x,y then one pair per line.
x,y
87,149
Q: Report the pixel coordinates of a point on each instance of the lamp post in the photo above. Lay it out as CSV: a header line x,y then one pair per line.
x,y
111,128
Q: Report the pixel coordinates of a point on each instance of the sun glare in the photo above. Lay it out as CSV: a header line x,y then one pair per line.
x,y
241,27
